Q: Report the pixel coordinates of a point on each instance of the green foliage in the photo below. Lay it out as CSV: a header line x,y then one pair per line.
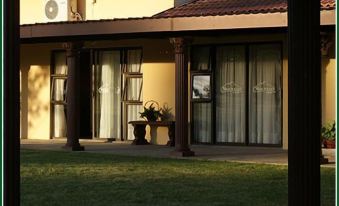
x,y
151,113
166,114
328,131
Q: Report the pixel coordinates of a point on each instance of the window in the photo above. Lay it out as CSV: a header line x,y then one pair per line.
x,y
132,76
132,92
58,89
58,94
133,88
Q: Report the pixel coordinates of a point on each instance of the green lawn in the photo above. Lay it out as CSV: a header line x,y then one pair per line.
x,y
75,178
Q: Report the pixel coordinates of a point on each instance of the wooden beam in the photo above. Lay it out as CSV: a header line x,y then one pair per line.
x,y
11,103
73,96
304,103
181,97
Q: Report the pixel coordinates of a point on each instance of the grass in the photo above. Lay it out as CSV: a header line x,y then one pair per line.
x,y
72,178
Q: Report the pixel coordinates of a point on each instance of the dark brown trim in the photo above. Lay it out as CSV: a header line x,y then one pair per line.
x,y
180,45
73,95
133,102
213,64
144,26
304,103
51,112
247,84
157,35
11,101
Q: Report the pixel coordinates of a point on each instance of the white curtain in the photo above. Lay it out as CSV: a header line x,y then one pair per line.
x,y
230,94
202,112
59,93
265,94
110,93
133,113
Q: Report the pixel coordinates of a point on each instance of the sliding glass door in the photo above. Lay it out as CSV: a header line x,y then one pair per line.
x,y
246,105
58,95
117,92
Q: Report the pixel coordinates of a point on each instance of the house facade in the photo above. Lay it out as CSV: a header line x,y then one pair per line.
x,y
233,88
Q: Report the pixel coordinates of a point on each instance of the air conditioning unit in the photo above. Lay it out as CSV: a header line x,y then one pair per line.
x,y
56,10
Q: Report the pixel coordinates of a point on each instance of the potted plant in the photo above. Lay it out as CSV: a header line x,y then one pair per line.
x,y
166,114
151,113
328,135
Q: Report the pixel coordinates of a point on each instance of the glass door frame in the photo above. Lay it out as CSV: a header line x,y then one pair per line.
x,y
95,63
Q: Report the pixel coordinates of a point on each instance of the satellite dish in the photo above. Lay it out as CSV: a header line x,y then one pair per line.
x,y
51,9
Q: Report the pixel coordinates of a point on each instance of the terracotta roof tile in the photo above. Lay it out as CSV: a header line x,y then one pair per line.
x,y
232,7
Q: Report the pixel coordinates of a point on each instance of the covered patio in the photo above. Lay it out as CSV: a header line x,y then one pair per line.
x,y
262,155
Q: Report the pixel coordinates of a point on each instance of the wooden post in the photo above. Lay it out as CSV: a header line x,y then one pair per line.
x,y
304,102
11,123
73,96
181,97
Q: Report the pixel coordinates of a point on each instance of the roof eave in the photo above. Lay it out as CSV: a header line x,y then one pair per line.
x,y
156,25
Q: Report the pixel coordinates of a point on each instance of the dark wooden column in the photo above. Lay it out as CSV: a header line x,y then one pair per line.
x,y
73,96
181,97
11,124
304,102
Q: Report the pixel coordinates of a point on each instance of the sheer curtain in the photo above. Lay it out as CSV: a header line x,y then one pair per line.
x,y
202,123
265,94
59,93
230,94
202,112
110,95
134,89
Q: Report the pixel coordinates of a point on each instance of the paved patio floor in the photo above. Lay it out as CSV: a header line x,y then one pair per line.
x,y
267,155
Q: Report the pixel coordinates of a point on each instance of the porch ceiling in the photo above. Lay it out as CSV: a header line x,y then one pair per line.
x,y
172,26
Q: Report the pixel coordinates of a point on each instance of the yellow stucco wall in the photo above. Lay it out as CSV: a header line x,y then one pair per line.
x,y
33,11
108,9
329,82
38,102
159,85
35,90
285,94
329,90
